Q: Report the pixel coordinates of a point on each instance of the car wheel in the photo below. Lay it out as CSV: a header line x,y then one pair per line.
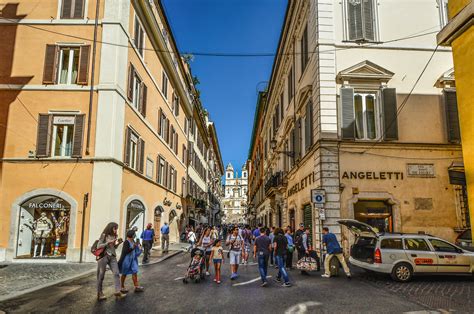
x,y
402,272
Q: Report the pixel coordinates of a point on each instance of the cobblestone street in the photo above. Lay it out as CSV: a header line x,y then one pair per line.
x,y
446,293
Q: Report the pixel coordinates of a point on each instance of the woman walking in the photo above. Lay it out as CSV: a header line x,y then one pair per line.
x,y
109,242
217,257
128,263
191,238
206,244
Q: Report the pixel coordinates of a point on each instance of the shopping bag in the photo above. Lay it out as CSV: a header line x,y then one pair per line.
x,y
307,264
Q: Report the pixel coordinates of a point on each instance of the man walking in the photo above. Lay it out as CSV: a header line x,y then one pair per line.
x,y
302,245
148,235
333,249
280,244
261,252
165,237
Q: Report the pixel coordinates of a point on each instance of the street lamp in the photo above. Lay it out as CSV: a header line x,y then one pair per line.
x,y
273,144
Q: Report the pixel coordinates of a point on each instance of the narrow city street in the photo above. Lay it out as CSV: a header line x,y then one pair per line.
x,y
165,292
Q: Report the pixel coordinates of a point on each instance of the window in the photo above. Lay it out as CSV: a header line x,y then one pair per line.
x,y
304,50
172,179
185,154
365,110
139,37
68,65
134,150
72,9
441,246
160,170
164,85
63,128
308,127
394,244
183,186
137,91
443,12
290,86
360,20
416,245
175,105
162,126
60,136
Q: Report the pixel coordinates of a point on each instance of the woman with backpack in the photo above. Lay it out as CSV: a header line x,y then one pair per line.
x,y
128,263
108,242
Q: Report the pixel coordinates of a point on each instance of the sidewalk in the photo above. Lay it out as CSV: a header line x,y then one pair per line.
x,y
21,278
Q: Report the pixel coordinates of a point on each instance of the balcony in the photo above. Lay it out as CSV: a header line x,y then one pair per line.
x,y
275,182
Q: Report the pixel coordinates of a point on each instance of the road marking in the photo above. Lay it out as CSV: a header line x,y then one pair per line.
x,y
247,282
301,308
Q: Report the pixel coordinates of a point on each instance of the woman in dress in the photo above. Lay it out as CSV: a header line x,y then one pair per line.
x,y
128,263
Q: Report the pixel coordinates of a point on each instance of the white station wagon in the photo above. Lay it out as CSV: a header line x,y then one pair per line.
x,y
402,255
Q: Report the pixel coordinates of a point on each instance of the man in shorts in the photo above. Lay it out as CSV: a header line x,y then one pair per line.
x,y
247,236
236,249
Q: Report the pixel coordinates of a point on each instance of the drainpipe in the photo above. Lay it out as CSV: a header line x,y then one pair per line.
x,y
91,92
84,207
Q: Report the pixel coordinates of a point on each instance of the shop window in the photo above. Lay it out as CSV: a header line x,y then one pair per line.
x,y
416,245
43,228
72,9
60,136
66,65
377,214
135,217
139,37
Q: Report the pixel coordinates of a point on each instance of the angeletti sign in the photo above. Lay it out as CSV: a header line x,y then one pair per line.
x,y
372,175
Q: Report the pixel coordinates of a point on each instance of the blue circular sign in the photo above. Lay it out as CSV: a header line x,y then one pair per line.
x,y
319,198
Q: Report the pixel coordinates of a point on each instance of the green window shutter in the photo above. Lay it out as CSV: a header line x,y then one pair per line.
x,y
308,220
348,120
452,116
390,115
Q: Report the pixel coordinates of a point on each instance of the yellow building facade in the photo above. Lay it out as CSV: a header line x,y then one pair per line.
x,y
459,34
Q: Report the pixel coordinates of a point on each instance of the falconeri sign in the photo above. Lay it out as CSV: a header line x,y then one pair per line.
x,y
373,175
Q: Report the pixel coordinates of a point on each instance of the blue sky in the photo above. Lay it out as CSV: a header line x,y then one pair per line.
x,y
229,85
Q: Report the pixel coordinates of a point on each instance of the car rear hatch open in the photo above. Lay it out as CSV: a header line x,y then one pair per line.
x,y
364,245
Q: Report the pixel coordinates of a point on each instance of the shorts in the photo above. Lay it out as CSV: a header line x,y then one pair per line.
x,y
217,260
247,247
234,257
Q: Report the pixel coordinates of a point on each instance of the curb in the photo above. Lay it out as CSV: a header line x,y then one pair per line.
x,y
73,277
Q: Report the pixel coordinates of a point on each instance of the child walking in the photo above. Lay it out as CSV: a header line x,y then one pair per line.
x,y
128,263
217,257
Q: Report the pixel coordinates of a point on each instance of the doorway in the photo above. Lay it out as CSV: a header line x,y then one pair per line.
x,y
377,214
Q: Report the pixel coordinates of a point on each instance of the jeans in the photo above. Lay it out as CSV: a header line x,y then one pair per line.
x,y
280,260
263,266
147,244
272,262
101,267
289,259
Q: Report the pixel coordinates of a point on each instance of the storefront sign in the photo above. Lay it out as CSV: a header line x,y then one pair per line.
x,y
137,205
421,170
46,205
63,120
371,175
303,184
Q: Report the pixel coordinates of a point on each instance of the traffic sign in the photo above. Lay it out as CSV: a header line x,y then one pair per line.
x,y
318,197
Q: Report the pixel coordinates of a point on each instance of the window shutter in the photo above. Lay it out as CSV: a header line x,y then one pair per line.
x,y
369,32
354,20
78,9
78,136
50,64
158,169
298,139
131,74
166,175
389,101
176,143
141,155
168,131
143,100
43,139
160,115
83,73
128,136
348,120
66,9
177,106
308,126
452,116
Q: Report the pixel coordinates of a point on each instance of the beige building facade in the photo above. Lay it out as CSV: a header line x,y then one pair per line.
x,y
94,131
355,109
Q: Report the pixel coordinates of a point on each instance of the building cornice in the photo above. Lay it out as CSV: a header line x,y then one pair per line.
x,y
457,25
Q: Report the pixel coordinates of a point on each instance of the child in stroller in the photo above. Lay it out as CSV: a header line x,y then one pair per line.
x,y
196,266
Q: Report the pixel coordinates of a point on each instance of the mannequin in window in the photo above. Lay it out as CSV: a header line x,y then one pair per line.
x,y
41,229
60,229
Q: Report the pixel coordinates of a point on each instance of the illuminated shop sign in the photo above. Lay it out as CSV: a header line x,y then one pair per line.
x,y
373,175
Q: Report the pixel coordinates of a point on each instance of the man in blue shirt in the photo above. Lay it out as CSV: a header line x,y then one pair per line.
x,y
333,249
165,237
148,236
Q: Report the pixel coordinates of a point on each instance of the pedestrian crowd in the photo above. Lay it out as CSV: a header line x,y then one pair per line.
x,y
269,246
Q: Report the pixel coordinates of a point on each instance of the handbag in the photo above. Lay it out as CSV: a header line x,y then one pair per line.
x,y
307,264
290,248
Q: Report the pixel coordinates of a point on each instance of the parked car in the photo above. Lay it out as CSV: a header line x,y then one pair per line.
x,y
464,240
403,255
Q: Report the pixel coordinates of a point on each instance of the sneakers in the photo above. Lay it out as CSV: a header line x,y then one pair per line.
x,y
349,276
139,289
101,296
215,280
325,276
207,273
286,285
264,284
277,279
218,281
119,295
124,290
233,276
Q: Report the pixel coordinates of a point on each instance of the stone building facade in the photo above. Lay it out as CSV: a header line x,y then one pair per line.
x,y
235,195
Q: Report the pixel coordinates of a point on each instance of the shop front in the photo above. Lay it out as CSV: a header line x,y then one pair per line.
x,y
135,216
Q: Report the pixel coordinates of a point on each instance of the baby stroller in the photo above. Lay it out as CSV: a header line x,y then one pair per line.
x,y
196,267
